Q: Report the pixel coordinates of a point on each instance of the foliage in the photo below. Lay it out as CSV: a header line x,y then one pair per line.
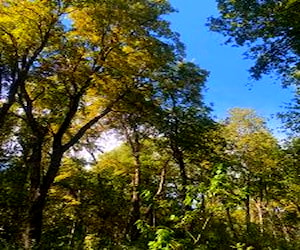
x,y
270,28
73,71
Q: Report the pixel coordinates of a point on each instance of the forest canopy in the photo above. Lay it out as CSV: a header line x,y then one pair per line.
x,y
73,71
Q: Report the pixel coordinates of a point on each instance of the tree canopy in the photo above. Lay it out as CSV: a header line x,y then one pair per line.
x,y
72,71
269,28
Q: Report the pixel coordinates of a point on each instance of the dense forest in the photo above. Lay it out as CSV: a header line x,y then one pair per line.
x,y
73,72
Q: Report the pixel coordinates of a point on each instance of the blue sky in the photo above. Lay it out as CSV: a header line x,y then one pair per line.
x,y
229,84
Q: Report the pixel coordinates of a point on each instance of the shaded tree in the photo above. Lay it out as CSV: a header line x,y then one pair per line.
x,y
67,85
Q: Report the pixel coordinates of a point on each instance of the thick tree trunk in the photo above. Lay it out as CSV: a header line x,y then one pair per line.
x,y
34,166
34,226
39,191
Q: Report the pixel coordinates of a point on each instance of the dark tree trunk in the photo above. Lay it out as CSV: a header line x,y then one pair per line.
x,y
248,216
39,190
34,230
33,164
40,186
178,155
231,225
135,212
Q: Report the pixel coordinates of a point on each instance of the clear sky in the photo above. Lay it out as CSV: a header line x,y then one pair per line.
x,y
229,84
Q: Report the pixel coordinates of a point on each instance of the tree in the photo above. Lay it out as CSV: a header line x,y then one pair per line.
x,y
67,64
134,129
143,197
288,197
269,27
26,30
173,108
254,167
184,114
291,118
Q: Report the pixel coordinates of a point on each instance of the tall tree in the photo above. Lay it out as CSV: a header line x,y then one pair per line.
x,y
69,63
184,114
254,155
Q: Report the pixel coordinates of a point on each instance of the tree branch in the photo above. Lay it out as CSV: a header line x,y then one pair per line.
x,y
88,125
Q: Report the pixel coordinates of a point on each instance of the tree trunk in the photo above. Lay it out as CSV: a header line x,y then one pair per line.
x,y
248,216
178,155
260,212
247,205
231,225
150,212
260,205
34,166
39,191
11,98
135,212
34,227
133,138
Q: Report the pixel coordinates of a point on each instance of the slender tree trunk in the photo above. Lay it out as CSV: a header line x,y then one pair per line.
x,y
260,212
247,205
135,212
178,155
203,204
133,138
231,223
248,216
71,235
150,213
261,205
1,77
